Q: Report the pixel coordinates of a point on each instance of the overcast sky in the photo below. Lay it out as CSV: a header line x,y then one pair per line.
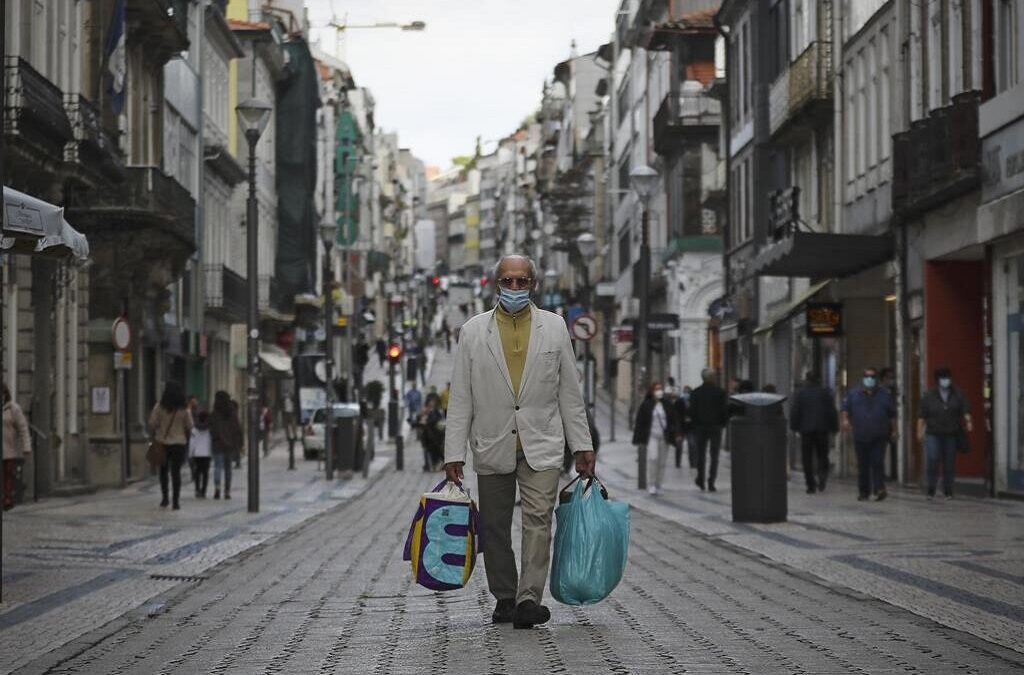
x,y
478,68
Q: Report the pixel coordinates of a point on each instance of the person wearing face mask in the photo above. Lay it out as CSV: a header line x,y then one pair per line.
x,y
655,421
870,415
943,425
516,401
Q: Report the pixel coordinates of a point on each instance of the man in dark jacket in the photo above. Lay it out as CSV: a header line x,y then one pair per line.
x,y
709,411
812,414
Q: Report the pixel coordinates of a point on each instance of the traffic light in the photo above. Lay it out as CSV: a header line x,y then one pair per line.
x,y
483,281
395,352
436,281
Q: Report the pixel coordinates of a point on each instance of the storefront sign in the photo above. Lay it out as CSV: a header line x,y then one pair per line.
x,y
1003,162
824,319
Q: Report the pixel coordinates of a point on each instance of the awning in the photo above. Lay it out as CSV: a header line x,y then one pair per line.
x,y
277,361
822,255
792,308
36,227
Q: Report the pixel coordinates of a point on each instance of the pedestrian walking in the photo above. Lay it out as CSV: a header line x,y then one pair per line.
x,y
17,444
446,329
238,455
413,402
432,395
226,441
430,426
813,415
869,413
943,425
709,412
193,409
687,424
678,404
445,395
266,425
360,359
515,400
171,424
200,452
655,421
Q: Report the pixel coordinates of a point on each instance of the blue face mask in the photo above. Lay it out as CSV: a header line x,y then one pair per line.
x,y
869,382
945,382
514,301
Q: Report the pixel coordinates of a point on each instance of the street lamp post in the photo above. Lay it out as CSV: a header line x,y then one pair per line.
x,y
253,116
586,244
328,231
643,180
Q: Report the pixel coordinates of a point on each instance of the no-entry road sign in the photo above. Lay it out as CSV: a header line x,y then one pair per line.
x,y
584,327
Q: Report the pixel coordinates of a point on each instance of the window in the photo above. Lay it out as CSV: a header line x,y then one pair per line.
x,y
746,83
749,223
778,17
1008,45
850,122
624,102
862,115
871,109
884,126
624,250
624,173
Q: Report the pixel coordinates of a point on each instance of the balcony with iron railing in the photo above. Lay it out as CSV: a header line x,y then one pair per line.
x,y
164,23
689,116
34,110
803,92
226,293
938,158
94,144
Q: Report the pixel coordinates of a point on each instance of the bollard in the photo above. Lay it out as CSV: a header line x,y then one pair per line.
x,y
291,454
399,453
641,469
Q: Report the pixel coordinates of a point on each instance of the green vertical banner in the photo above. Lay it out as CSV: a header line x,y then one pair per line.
x,y
346,161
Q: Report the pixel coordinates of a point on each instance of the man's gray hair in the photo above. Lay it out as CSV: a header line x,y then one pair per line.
x,y
708,375
528,259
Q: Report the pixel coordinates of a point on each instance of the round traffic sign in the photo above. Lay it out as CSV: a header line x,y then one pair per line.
x,y
584,327
122,334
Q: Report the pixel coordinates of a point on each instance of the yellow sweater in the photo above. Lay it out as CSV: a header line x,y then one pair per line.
x,y
515,339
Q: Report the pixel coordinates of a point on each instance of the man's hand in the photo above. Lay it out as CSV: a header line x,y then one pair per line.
x,y
585,463
845,426
453,472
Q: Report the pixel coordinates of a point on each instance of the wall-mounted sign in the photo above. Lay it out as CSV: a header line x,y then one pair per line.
x,y
101,400
824,319
122,360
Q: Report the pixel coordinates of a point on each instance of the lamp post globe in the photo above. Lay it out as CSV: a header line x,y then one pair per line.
x,y
253,116
587,245
643,179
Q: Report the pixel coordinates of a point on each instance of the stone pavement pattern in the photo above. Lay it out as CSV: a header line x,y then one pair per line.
x,y
960,563
334,596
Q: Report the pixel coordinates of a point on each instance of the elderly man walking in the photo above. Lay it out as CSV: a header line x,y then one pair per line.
x,y
515,401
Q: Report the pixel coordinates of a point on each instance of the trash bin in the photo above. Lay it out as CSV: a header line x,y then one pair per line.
x,y
758,448
346,428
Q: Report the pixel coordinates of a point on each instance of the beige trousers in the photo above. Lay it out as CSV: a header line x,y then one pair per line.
x,y
538,490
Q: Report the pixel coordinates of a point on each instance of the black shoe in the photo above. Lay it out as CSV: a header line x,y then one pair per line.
x,y
529,614
504,611
176,507
700,484
882,494
216,493
862,498
821,482
711,487
811,490
164,503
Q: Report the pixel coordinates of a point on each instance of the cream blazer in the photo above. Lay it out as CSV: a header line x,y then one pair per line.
x,y
483,413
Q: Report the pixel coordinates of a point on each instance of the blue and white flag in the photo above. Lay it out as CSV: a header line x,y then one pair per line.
x,y
114,54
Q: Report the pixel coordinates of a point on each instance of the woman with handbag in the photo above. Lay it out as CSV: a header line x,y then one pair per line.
x,y
171,425
943,425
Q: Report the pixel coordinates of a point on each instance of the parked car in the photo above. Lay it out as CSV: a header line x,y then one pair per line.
x,y
313,431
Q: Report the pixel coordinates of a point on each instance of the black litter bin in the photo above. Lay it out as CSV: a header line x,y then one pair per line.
x,y
757,443
346,427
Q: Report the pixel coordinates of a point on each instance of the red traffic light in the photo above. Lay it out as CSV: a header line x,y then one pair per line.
x,y
436,281
483,281
394,352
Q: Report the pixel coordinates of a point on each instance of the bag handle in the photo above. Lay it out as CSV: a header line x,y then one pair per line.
x,y
590,482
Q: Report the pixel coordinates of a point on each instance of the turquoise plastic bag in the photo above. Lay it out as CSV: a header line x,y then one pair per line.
x,y
591,545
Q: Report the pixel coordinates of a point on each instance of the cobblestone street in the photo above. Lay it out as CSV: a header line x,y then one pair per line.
x,y
331,594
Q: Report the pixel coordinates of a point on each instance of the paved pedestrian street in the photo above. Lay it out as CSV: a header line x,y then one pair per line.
x,y
329,592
